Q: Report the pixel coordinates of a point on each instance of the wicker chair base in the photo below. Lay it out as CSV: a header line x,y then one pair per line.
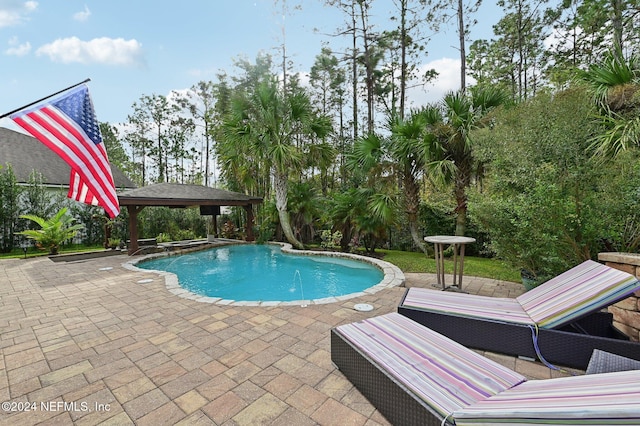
x,y
604,362
569,346
396,403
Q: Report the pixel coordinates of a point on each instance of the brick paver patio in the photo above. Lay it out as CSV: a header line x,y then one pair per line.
x,y
85,343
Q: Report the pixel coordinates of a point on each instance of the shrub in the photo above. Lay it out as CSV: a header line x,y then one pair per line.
x,y
53,232
543,196
330,240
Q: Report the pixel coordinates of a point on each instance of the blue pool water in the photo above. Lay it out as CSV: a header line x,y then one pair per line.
x,y
264,273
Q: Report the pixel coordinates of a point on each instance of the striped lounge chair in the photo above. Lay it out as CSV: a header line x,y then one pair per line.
x,y
560,322
416,376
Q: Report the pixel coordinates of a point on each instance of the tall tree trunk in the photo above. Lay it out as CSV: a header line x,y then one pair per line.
x,y
521,69
280,183
412,205
354,69
160,156
403,56
463,53
461,184
616,22
206,153
368,66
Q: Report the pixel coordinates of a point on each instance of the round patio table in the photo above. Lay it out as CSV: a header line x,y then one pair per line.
x,y
458,243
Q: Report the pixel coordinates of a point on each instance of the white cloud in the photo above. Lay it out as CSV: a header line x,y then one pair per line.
x,y
14,12
176,94
448,80
83,15
17,49
560,39
106,51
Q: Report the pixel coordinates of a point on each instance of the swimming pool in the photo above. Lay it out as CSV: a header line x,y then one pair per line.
x,y
263,274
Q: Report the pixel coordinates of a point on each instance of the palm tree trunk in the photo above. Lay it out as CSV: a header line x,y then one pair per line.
x,y
412,200
461,221
415,235
462,182
461,208
281,188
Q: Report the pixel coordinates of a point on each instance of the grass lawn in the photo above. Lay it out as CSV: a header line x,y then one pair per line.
x,y
473,266
34,252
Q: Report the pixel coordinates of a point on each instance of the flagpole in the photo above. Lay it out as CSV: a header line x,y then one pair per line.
x,y
45,98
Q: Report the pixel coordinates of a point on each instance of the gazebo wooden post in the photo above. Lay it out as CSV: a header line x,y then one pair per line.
x,y
133,228
108,226
250,222
216,231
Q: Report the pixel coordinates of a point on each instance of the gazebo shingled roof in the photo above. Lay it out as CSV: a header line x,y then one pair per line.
x,y
181,195
172,194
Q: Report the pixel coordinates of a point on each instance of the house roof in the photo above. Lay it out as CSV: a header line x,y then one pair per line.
x,y
25,154
178,195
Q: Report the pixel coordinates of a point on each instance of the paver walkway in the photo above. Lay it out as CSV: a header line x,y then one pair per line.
x,y
84,344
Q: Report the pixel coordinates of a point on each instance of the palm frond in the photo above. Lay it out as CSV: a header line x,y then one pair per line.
x,y
484,98
432,115
284,155
441,172
383,207
620,135
613,71
42,222
367,152
458,109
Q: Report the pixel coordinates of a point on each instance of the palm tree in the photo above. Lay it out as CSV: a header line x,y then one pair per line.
x,y
404,155
409,147
363,214
373,206
342,213
321,156
615,83
452,153
53,231
274,127
305,207
376,215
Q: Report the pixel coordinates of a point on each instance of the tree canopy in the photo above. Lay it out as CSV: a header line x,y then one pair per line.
x,y
545,122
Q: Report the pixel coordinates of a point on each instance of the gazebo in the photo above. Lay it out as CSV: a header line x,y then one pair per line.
x,y
181,196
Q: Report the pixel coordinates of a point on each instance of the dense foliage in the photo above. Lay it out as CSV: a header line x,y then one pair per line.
x,y
547,202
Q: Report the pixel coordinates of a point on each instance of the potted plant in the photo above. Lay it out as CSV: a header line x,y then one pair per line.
x,y
53,232
532,279
114,243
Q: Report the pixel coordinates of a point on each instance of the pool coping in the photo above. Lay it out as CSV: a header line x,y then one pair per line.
x,y
393,277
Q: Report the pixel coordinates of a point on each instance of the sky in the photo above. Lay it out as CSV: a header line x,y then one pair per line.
x,y
133,48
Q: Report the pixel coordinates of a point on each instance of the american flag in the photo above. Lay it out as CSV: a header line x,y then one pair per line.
x,y
68,126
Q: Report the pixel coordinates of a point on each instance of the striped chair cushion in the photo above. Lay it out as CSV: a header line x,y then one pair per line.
x,y
602,399
585,288
444,374
467,305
